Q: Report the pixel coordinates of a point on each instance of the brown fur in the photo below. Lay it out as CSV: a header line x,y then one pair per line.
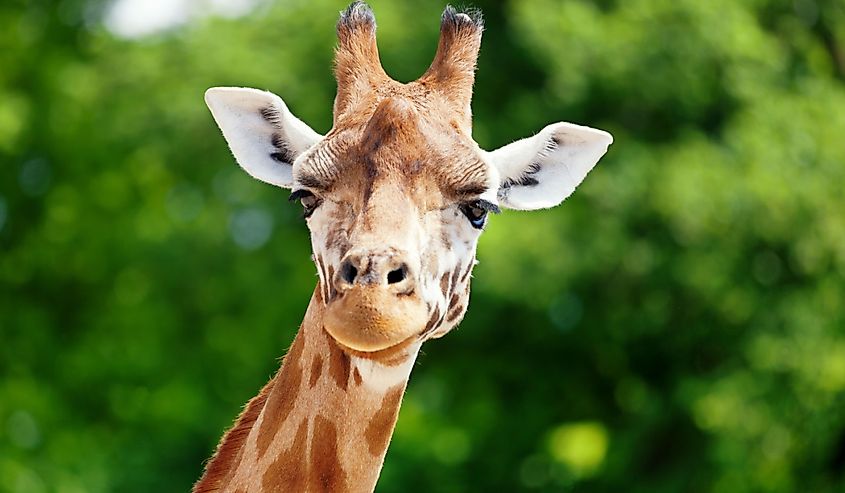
x,y
381,426
338,365
381,152
415,134
452,72
325,472
316,368
288,472
357,65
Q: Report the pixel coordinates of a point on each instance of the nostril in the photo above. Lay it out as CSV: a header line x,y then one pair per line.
x,y
397,275
348,272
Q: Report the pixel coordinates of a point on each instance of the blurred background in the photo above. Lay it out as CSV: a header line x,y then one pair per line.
x,y
676,326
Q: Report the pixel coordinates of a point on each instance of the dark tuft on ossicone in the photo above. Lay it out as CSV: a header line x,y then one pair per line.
x,y
357,14
470,17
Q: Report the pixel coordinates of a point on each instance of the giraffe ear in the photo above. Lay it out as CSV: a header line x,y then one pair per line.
x,y
541,171
262,133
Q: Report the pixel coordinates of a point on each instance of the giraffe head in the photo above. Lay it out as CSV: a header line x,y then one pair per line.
x,y
397,193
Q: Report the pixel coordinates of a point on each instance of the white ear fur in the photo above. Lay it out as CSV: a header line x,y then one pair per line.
x,y
541,171
262,133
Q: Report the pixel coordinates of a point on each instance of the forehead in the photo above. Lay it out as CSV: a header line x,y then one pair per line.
x,y
405,140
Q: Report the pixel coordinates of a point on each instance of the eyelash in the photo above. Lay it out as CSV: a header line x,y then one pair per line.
x,y
309,201
476,212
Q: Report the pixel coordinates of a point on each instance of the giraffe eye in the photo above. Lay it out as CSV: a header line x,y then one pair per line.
x,y
308,200
476,213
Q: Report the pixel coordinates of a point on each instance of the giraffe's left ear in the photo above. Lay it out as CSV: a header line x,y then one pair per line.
x,y
262,133
541,171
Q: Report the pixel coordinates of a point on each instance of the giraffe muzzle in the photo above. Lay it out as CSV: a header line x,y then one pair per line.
x,y
371,318
376,306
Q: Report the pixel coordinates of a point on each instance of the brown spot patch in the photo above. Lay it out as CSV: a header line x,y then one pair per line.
x,y
396,360
318,292
444,285
337,237
455,275
325,474
338,365
325,282
316,368
454,312
287,472
381,426
356,376
330,283
432,322
465,275
455,299
282,398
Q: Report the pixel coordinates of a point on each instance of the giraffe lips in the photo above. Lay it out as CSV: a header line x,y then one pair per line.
x,y
369,318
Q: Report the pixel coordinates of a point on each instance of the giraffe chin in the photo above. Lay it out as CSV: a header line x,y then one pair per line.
x,y
370,319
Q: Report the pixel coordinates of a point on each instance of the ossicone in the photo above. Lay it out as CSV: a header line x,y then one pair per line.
x,y
357,66
453,70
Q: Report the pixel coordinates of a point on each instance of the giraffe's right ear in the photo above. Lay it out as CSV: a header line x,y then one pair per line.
x,y
541,171
262,133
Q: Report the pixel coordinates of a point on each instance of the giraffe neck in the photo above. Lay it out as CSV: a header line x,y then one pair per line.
x,y
323,423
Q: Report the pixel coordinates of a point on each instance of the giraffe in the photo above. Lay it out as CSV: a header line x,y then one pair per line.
x,y
395,197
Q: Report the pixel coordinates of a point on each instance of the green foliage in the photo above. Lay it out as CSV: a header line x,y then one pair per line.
x,y
676,326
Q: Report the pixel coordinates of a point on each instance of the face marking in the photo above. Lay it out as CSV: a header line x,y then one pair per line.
x,y
454,313
332,292
444,284
432,322
454,300
468,269
455,274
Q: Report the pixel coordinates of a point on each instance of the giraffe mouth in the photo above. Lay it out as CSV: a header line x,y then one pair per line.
x,y
369,318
